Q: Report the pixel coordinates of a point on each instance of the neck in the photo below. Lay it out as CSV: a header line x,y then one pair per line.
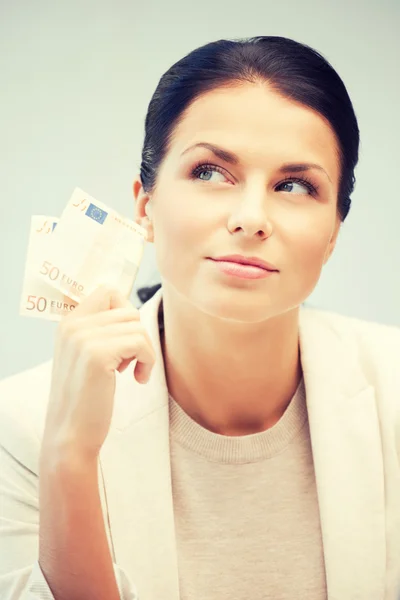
x,y
232,378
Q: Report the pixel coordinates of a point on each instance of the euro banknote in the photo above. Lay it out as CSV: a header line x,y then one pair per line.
x,y
38,298
91,245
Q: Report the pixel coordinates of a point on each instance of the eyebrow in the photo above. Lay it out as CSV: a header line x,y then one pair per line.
x,y
233,159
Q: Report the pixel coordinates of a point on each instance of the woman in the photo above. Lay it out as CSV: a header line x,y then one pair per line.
x,y
261,458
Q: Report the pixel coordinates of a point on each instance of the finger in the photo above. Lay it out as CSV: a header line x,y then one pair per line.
x,y
117,300
110,354
103,319
103,298
124,365
117,330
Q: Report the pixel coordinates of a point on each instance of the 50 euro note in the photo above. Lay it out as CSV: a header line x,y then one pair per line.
x,y
38,299
92,245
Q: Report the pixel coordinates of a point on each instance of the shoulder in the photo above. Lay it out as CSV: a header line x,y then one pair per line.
x,y
23,407
370,337
375,347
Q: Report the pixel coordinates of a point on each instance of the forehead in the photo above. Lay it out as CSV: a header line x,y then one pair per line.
x,y
256,122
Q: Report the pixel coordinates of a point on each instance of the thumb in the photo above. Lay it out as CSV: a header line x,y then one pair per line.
x,y
142,371
117,300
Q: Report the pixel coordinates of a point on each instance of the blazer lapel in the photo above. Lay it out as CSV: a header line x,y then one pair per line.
x,y
347,455
135,462
344,429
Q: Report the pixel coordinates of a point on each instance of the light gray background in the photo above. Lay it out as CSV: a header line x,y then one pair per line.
x,y
76,79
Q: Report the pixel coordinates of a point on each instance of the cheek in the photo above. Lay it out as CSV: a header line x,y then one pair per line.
x,y
179,236
304,251
308,250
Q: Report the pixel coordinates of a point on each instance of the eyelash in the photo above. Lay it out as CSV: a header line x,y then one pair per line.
x,y
200,166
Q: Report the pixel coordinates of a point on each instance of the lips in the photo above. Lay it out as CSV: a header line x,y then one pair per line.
x,y
254,261
234,269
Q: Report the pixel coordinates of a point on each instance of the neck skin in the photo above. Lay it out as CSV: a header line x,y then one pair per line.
x,y
232,378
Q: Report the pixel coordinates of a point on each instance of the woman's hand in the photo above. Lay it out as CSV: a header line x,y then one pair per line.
x,y
102,335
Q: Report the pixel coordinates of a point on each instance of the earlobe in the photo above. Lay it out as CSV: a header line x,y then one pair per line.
x,y
150,231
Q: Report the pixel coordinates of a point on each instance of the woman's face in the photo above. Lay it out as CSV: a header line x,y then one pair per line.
x,y
206,206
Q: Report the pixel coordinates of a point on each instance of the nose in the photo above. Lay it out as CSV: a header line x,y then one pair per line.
x,y
251,218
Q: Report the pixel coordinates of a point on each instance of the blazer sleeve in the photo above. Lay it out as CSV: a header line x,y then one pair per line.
x,y
21,577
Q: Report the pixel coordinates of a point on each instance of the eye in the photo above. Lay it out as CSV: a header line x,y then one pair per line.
x,y
292,184
298,185
206,168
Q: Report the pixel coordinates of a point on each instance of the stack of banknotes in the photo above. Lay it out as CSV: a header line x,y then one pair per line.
x,y
68,258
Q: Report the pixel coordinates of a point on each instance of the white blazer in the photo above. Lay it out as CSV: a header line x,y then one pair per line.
x,y
352,379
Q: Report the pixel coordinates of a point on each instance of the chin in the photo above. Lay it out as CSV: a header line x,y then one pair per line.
x,y
234,304
232,307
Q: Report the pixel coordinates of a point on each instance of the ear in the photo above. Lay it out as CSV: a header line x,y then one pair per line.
x,y
333,240
143,213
